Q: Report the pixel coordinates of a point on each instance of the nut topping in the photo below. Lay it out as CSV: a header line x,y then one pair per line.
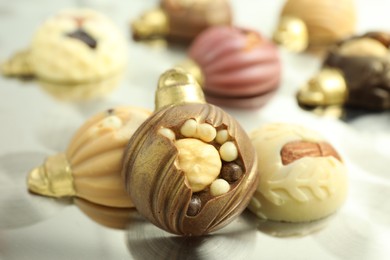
x,y
199,161
302,177
296,150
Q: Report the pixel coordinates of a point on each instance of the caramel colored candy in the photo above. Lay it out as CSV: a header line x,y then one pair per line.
x,y
327,21
91,166
181,20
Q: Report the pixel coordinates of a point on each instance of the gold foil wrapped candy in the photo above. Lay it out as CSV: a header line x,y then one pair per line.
x,y
90,168
315,24
181,20
76,54
190,168
302,178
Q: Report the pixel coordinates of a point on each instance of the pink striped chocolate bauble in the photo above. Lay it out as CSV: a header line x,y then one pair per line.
x,y
240,67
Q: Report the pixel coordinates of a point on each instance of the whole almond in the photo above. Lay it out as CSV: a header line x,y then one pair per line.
x,y
298,149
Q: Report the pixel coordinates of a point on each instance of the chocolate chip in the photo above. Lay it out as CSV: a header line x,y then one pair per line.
x,y
83,36
194,207
231,172
110,111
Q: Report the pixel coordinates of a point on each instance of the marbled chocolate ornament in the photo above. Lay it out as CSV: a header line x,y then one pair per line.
x,y
172,167
181,20
236,67
90,167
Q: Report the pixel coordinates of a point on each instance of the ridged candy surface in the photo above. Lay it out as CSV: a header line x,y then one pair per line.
x,y
304,189
159,185
77,46
327,21
95,155
364,61
188,18
238,65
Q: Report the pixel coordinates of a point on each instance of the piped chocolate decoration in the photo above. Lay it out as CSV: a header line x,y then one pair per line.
x,y
83,36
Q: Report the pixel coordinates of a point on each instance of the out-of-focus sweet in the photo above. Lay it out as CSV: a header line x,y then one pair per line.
x,y
315,24
236,67
302,177
355,73
76,54
190,168
112,217
181,20
91,166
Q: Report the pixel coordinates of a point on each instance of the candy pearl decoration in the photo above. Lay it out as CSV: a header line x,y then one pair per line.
x,y
238,65
219,187
228,152
206,132
189,128
222,136
168,133
199,161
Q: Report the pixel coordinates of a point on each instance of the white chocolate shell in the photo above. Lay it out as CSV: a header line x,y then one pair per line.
x,y
77,46
117,218
306,189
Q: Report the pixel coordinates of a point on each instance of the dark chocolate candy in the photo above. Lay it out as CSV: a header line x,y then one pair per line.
x,y
83,36
231,172
367,78
194,206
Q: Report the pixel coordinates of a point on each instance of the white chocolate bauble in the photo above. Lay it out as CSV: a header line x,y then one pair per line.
x,y
58,58
306,189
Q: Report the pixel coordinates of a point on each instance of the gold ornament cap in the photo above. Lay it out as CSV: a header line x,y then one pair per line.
x,y
53,178
194,69
327,88
18,65
292,33
151,24
176,87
